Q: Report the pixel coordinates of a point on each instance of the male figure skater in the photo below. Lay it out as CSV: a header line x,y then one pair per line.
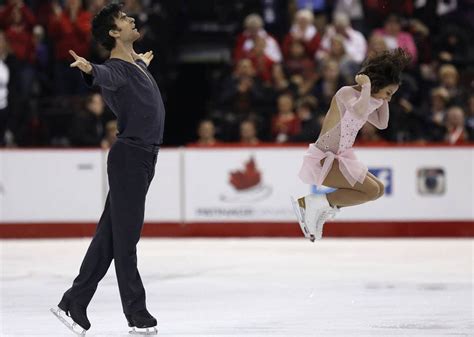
x,y
132,94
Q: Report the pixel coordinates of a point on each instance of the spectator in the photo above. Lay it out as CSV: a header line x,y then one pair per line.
x,y
394,36
18,21
69,28
310,123
304,31
438,105
376,45
456,132
248,133
14,13
88,128
448,77
243,90
110,137
354,9
337,52
285,123
206,133
354,42
246,40
280,82
262,63
303,85
329,83
297,61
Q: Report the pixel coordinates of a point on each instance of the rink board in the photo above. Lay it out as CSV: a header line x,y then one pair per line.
x,y
199,190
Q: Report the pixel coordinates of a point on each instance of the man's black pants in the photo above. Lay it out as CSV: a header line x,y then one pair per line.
x,y
130,171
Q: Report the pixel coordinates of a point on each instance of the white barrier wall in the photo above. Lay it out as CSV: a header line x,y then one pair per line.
x,y
234,184
58,186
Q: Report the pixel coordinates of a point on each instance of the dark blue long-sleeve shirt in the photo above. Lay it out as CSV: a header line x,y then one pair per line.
x,y
134,97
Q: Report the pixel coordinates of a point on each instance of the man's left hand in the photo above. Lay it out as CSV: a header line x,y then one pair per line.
x,y
146,57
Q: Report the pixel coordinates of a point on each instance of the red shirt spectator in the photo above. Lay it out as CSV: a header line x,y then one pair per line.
x,y
246,40
9,14
70,29
456,132
18,21
262,63
285,123
303,30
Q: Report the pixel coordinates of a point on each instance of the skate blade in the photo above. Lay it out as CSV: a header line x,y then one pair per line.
x,y
300,217
144,331
71,326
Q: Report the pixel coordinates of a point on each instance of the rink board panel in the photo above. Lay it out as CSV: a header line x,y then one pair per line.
x,y
237,191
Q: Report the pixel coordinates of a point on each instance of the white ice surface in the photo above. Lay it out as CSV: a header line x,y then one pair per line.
x,y
255,287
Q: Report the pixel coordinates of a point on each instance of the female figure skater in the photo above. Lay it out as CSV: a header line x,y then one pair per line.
x,y
330,161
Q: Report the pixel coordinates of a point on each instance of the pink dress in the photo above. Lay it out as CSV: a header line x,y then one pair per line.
x,y
355,108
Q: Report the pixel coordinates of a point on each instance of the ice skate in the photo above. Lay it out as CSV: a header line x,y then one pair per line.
x,y
299,209
318,211
326,213
142,323
73,316
68,321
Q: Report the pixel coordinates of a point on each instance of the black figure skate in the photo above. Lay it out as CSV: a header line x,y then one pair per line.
x,y
142,323
73,316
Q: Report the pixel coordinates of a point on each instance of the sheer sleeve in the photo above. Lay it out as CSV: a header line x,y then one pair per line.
x,y
379,118
359,106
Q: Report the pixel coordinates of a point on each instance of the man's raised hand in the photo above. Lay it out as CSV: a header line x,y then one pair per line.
x,y
146,57
80,63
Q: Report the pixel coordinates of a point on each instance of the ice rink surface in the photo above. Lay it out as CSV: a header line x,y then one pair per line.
x,y
255,287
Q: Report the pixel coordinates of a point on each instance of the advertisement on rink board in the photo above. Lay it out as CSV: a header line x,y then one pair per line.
x,y
255,184
241,185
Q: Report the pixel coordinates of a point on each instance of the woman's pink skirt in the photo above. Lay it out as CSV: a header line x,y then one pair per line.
x,y
312,172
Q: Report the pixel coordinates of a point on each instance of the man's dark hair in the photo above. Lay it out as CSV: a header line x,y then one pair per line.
x,y
103,22
385,68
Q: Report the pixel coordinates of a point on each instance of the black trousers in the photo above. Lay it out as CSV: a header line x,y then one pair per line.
x,y
130,171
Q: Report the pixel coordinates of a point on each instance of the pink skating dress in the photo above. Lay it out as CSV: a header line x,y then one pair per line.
x,y
355,109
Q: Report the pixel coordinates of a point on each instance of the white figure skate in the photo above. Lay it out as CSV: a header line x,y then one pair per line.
x,y
318,211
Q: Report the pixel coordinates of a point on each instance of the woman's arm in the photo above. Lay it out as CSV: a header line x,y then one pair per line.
x,y
379,118
361,106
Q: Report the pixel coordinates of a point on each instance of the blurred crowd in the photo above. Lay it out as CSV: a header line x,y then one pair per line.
x,y
288,58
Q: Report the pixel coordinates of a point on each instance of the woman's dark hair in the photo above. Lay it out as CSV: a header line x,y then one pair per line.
x,y
385,68
103,22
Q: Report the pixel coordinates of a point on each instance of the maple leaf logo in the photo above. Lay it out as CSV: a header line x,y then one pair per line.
x,y
248,178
